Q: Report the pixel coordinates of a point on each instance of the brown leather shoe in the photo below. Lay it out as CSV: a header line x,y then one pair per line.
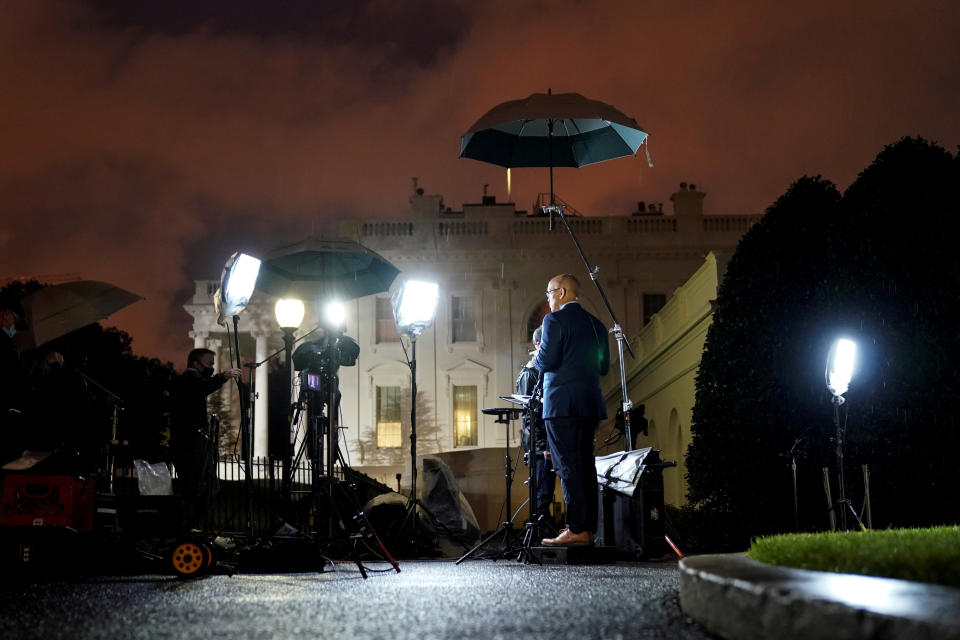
x,y
569,539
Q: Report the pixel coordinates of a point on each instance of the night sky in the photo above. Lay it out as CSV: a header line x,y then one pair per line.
x,y
144,141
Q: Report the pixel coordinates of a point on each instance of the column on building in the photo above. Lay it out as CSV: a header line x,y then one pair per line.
x,y
199,338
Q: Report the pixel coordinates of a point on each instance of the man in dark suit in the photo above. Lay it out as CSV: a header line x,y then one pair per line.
x,y
573,355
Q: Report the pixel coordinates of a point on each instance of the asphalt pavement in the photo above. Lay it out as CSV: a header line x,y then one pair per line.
x,y
427,599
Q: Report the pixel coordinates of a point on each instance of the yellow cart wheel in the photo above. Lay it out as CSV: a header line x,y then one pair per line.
x,y
189,559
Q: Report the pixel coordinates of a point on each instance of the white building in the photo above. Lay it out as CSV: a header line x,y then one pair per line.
x,y
492,263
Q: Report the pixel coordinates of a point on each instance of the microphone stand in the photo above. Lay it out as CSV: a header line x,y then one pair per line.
x,y
117,404
617,330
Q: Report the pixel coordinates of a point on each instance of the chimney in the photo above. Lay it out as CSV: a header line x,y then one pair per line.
x,y
688,202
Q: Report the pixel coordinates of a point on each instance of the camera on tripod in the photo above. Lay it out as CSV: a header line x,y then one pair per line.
x,y
318,360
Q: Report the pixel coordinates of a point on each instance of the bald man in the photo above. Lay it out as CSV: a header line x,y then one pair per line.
x,y
574,353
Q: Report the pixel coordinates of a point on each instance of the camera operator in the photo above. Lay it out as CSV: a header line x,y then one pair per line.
x,y
528,384
190,441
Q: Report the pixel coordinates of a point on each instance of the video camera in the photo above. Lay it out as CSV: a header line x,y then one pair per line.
x,y
325,355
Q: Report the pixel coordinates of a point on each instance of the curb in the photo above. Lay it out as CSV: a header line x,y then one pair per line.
x,y
742,599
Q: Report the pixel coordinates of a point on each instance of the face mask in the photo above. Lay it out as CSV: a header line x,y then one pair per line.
x,y
206,372
10,331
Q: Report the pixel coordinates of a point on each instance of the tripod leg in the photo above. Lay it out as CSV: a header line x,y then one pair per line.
x,y
365,529
479,544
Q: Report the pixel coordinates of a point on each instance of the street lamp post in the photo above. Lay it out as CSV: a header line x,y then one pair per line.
x,y
289,312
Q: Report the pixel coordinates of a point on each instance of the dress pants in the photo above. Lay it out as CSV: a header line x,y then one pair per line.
x,y
571,445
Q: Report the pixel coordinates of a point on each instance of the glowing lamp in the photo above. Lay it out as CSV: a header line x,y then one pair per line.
x,y
236,285
289,312
840,363
335,314
415,306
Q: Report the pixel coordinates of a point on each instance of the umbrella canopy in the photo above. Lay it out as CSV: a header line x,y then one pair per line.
x,y
552,130
316,268
57,310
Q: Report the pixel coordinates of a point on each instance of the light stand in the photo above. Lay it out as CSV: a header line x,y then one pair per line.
x,y
414,309
840,363
842,502
617,330
236,286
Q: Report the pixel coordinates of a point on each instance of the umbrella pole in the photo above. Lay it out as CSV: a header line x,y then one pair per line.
x,y
617,330
550,157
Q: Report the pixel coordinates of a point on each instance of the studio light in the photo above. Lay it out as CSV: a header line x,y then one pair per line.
x,y
415,306
236,285
334,314
840,363
289,312
840,366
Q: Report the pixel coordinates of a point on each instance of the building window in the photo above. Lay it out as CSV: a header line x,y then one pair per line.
x,y
463,319
652,303
386,326
464,416
388,417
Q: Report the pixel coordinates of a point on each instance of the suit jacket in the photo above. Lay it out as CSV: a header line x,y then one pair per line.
x,y
574,353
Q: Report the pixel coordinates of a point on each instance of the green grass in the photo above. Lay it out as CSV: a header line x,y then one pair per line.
x,y
922,555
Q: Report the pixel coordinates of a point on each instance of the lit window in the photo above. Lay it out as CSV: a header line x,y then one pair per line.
x,y
465,416
463,319
388,417
386,326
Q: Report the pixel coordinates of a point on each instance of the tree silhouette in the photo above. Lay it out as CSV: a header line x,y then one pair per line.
x,y
77,407
875,265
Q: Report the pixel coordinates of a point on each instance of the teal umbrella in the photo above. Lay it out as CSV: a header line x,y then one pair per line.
x,y
552,130
317,268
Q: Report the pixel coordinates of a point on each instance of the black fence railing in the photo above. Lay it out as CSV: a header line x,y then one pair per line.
x,y
256,503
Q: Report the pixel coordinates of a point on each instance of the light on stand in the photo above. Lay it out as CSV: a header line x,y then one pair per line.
x,y
414,309
840,366
334,314
415,306
236,285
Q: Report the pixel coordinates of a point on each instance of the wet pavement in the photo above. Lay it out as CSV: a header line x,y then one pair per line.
x,y
427,599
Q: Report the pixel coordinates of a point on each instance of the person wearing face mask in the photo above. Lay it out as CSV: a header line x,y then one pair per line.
x,y
19,373
190,442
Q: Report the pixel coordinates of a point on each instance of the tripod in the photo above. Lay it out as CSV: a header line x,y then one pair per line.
x,y
511,542
843,504
532,528
410,525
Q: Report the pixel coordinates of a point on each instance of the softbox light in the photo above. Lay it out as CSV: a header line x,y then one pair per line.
x,y
840,363
236,285
415,306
